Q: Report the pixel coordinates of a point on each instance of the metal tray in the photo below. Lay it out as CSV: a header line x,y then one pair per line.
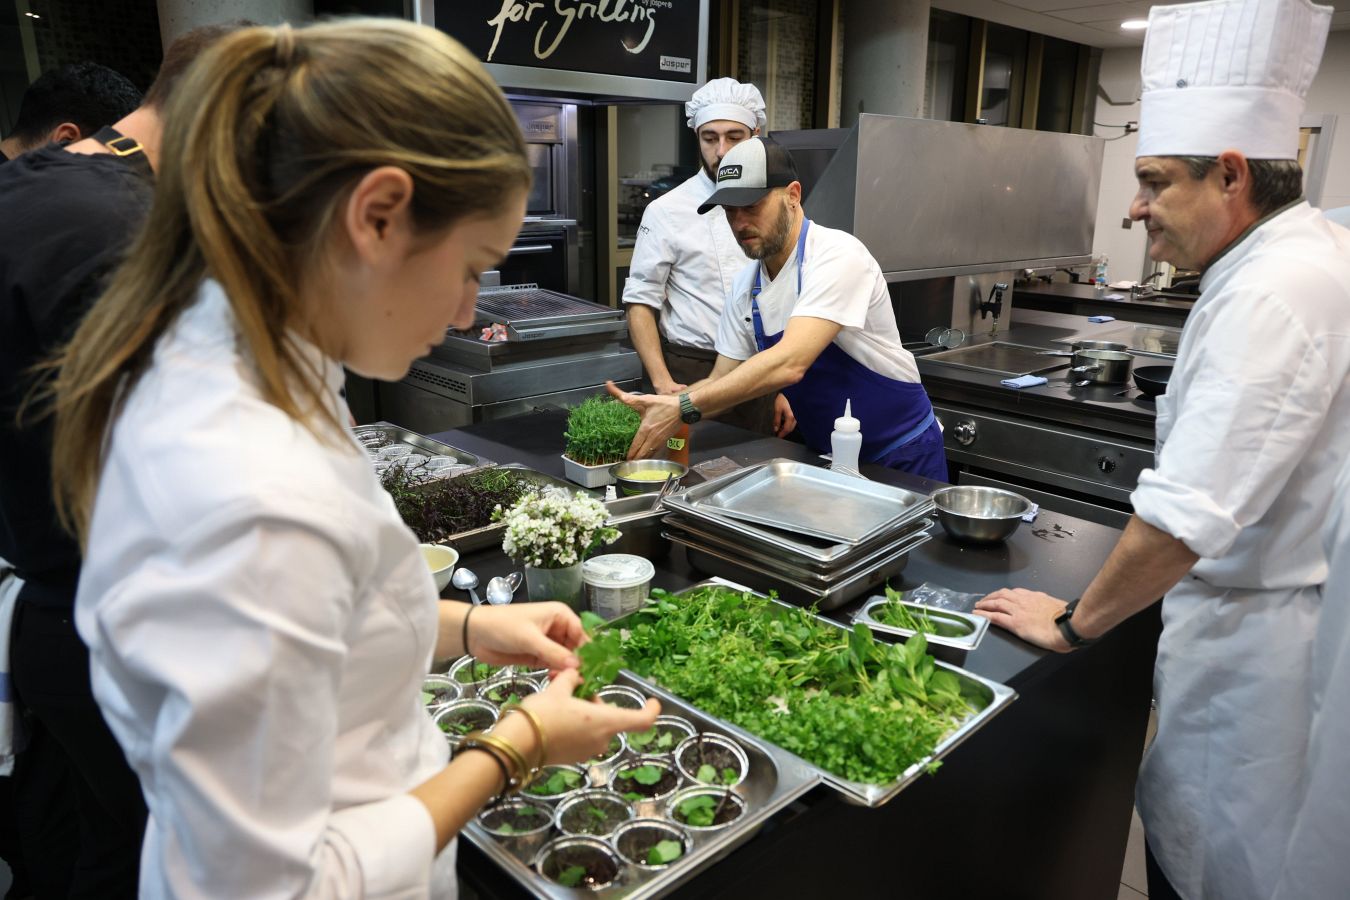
x,y
397,434
718,561
998,357
775,554
809,500
991,696
775,779
974,626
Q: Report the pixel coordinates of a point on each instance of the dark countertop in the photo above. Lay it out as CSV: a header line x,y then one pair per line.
x,y
1058,400
1081,299
1042,794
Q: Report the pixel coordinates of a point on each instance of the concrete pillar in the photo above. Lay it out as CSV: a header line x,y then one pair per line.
x,y
178,16
885,58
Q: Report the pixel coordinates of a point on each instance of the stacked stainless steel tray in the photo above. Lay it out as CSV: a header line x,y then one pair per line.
x,y
813,535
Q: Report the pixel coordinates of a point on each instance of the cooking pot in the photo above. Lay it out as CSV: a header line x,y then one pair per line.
x,y
1078,346
1152,380
1102,366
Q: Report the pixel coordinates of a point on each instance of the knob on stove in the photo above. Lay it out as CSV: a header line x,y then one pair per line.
x,y
1106,464
964,432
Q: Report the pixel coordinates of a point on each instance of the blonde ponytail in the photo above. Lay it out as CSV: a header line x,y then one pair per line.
x,y
262,140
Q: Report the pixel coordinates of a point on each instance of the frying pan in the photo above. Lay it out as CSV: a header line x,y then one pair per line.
x,y
1152,380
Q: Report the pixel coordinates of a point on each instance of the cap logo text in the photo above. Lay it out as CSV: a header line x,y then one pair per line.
x,y
728,173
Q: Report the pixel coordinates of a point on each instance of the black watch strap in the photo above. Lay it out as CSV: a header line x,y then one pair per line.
x,y
1074,639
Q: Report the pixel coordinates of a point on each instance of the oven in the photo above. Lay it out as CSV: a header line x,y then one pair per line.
x,y
1066,468
545,254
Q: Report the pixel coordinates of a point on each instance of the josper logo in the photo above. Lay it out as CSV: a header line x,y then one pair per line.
x,y
728,173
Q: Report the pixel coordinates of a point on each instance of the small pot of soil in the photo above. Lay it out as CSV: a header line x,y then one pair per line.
x,y
704,809
556,782
662,738
438,690
508,687
651,844
645,782
579,862
463,716
622,697
473,674
595,812
519,824
600,765
708,758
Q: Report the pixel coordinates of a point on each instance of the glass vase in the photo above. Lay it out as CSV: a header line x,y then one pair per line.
x,y
563,585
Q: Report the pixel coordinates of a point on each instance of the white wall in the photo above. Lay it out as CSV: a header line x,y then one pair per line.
x,y
648,135
1329,95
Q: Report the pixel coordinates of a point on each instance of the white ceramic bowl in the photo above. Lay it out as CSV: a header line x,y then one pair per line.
x,y
441,561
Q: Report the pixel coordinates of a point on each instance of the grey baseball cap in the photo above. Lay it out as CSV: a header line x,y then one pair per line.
x,y
749,171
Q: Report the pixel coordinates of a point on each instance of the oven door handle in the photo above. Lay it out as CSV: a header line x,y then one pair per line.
x,y
530,248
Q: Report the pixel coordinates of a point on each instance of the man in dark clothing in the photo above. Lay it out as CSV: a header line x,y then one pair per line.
x,y
67,214
69,104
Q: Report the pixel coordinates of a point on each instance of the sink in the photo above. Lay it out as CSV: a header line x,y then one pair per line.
x,y
921,348
1000,358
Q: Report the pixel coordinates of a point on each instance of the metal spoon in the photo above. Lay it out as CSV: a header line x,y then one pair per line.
x,y
501,590
465,580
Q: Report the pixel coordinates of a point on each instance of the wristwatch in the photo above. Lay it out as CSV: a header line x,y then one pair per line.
x,y
689,413
1075,639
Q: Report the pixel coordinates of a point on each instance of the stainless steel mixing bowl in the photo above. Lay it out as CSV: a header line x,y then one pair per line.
x,y
982,515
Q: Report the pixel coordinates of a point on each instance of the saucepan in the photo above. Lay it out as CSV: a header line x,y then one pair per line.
x,y
1102,367
1152,380
1078,346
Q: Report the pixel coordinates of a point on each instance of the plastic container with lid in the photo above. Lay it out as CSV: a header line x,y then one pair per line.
x,y
846,441
616,583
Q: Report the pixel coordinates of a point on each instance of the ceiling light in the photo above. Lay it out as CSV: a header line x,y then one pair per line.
x,y
1134,25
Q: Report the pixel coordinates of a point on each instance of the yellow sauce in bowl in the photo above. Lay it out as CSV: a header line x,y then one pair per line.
x,y
648,475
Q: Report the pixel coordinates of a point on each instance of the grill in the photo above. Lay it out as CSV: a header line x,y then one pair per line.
x,y
527,310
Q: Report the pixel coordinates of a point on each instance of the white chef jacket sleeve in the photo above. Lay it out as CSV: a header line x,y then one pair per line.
x,y
1252,398
653,255
837,284
735,333
236,633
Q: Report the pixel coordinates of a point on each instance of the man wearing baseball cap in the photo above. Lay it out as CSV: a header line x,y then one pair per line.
x,y
810,317
1251,432
684,262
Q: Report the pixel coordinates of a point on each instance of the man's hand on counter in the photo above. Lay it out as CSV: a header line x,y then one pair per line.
x,y
1028,614
660,420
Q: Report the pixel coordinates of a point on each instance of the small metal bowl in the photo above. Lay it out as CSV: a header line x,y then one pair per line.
x,y
628,475
980,515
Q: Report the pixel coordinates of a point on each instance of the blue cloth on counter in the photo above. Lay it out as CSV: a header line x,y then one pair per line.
x,y
1022,381
1114,297
1031,514
1097,320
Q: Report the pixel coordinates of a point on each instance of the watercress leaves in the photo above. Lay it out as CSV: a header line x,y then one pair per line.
x,y
571,876
664,852
647,775
559,781
601,657
698,811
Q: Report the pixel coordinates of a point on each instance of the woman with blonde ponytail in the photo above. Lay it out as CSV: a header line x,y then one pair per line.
x,y
258,617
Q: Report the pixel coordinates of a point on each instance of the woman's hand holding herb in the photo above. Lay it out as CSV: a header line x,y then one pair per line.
x,y
537,635
578,730
660,420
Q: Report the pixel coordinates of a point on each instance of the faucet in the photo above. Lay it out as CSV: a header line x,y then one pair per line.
x,y
994,304
1145,286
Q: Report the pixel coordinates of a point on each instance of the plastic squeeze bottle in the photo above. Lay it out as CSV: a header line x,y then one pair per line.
x,y
846,440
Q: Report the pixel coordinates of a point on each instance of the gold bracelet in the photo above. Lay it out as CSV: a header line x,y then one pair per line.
x,y
505,757
521,775
538,729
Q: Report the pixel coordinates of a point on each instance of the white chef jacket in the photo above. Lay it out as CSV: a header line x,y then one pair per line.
x,y
1318,861
1250,431
683,263
259,621
841,283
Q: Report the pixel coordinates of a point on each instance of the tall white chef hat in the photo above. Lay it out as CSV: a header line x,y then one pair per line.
x,y
1229,75
726,98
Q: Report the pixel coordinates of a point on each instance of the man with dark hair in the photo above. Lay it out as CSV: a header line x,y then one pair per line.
x,y
67,214
1251,433
68,104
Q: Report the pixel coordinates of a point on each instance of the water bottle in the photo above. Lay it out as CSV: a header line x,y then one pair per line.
x,y
1100,279
846,441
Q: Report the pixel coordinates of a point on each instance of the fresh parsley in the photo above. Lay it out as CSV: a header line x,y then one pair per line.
x,y
601,657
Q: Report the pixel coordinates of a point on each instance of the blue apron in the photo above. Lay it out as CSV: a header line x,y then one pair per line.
x,y
898,426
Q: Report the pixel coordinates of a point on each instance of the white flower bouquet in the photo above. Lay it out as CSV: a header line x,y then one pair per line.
x,y
554,529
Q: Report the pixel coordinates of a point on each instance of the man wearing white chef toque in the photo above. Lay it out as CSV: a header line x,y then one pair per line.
x,y
1250,434
684,262
812,317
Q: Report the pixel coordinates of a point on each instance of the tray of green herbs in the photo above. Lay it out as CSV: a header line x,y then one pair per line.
x,y
458,511
599,431
869,716
773,779
894,616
